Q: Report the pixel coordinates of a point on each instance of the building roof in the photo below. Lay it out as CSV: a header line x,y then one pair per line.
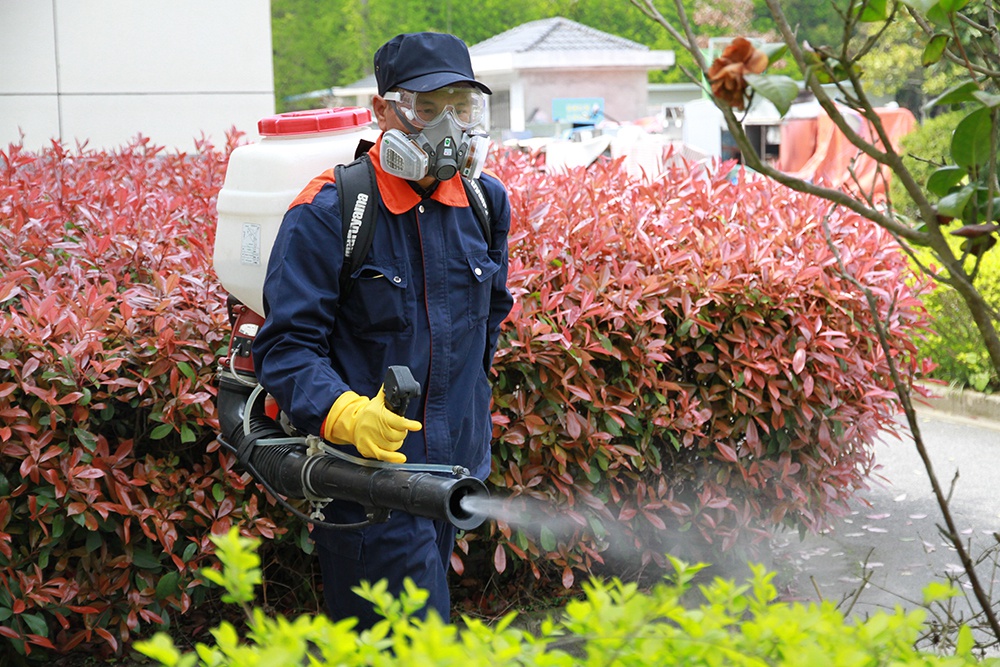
x,y
553,34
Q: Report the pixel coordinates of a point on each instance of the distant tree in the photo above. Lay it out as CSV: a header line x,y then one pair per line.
x,y
813,21
323,43
313,46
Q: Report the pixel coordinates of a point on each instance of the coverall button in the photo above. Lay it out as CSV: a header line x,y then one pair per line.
x,y
479,271
397,279
421,208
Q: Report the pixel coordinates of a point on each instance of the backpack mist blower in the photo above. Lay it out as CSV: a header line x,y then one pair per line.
x,y
262,179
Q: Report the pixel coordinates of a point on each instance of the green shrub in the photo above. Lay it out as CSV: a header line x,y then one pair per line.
x,y
614,624
924,150
954,343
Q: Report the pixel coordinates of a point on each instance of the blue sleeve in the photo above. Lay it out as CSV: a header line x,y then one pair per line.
x,y
501,300
301,288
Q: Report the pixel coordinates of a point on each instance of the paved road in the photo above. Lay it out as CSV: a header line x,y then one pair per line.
x,y
897,535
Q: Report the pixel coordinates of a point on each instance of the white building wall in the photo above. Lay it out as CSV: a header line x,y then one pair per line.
x,y
624,90
105,71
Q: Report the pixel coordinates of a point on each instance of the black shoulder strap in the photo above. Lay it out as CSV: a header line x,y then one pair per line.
x,y
358,195
480,206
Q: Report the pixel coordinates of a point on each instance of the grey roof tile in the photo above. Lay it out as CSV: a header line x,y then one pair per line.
x,y
553,34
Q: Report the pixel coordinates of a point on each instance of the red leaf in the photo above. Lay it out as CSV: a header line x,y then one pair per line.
x,y
108,637
457,564
799,360
655,520
38,640
728,453
500,559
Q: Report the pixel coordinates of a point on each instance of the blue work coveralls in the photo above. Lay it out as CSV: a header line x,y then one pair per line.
x,y
431,295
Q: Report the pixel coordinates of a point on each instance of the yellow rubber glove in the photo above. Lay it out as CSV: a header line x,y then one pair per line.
x,y
369,425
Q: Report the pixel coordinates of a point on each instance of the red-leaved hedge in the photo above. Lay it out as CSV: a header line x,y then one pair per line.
x,y
111,323
685,366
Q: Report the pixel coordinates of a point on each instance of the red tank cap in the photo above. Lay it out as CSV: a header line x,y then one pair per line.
x,y
313,121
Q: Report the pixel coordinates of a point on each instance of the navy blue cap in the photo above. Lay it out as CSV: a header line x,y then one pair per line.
x,y
423,61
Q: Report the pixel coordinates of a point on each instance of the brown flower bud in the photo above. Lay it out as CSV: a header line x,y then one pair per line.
x,y
727,72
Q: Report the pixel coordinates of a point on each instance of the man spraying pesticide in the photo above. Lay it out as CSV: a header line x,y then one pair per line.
x,y
396,261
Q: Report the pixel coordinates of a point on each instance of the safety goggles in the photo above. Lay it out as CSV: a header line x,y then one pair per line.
x,y
468,106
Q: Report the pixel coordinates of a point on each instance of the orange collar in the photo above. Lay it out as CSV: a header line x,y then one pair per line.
x,y
399,197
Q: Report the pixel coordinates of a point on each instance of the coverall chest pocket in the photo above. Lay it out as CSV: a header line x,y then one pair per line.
x,y
480,270
378,300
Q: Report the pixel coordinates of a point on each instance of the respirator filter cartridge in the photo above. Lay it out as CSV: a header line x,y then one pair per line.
x,y
474,159
402,157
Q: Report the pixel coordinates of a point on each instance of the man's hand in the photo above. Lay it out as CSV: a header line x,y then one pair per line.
x,y
369,425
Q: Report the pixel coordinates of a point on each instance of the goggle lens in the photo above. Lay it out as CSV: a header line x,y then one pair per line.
x,y
468,105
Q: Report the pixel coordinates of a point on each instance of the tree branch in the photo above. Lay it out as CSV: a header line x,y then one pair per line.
x,y
903,392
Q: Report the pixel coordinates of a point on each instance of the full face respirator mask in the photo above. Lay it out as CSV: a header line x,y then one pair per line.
x,y
441,141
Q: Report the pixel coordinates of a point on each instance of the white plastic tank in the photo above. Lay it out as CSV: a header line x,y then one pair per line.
x,y
262,180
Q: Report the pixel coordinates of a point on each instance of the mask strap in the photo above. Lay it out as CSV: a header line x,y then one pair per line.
x,y
410,127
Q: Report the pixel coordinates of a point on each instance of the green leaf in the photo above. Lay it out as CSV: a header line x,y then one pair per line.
x,y
145,560
979,245
965,642
953,205
213,576
36,623
774,51
186,369
944,179
824,76
779,89
987,99
94,538
58,525
937,591
86,439
597,527
161,648
958,94
922,6
874,10
952,5
970,144
934,49
167,585
548,539
161,431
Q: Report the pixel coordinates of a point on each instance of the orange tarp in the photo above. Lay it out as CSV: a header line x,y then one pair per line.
x,y
815,150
